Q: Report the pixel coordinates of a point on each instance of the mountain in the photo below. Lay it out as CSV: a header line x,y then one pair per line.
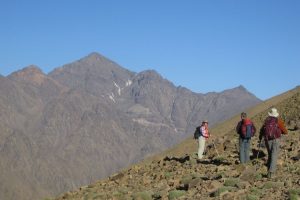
x,y
90,118
176,173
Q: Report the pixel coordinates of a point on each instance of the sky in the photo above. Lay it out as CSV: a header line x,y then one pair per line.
x,y
203,45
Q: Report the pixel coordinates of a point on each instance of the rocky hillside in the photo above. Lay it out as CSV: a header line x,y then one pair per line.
x,y
90,118
176,173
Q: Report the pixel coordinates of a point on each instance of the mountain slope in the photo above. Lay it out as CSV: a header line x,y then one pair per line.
x,y
90,118
176,172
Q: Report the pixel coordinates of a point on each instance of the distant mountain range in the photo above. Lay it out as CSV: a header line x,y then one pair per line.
x,y
87,119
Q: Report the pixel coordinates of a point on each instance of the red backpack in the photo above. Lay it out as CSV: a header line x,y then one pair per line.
x,y
271,128
247,129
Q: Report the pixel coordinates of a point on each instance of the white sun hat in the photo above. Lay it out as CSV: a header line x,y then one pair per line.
x,y
273,113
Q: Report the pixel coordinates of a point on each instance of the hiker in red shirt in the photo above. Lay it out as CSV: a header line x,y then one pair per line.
x,y
272,130
246,129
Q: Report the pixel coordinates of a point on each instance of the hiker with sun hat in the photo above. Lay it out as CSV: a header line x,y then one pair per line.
x,y
272,130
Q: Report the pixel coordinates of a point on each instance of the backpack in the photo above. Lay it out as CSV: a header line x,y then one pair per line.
x,y
271,128
197,133
247,130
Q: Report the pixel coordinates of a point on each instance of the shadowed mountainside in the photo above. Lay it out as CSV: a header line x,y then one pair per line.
x,y
90,118
176,173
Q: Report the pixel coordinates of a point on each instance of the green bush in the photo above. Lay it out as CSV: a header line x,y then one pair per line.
x,y
99,196
294,194
255,191
168,175
251,197
174,194
186,179
221,190
220,159
258,177
91,195
143,195
268,185
293,197
231,182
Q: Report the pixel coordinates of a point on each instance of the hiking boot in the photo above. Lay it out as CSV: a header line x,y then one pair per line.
x,y
270,175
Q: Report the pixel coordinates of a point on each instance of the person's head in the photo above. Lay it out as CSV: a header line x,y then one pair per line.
x,y
205,123
243,115
273,112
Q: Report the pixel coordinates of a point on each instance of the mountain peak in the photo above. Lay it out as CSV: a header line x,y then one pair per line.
x,y
31,73
241,87
94,57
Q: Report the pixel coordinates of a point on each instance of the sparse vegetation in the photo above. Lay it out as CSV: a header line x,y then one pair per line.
x,y
252,197
294,194
220,159
268,185
146,195
255,191
221,190
174,194
258,176
186,179
168,175
231,182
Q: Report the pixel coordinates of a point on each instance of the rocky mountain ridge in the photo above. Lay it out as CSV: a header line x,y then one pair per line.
x,y
90,118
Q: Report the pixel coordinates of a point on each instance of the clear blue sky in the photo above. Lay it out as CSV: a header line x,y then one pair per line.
x,y
202,45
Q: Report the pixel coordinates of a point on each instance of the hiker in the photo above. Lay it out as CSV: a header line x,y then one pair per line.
x,y
246,129
271,131
202,134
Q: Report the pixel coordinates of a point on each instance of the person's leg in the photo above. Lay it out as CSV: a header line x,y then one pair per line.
x,y
201,147
269,148
274,155
247,149
242,150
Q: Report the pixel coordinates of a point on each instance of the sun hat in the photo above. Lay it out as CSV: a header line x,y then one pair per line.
x,y
273,112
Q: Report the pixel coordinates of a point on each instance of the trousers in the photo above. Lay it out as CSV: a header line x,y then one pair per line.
x,y
201,146
273,151
244,145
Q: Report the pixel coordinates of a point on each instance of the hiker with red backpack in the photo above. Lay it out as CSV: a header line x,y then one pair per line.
x,y
271,131
202,134
246,129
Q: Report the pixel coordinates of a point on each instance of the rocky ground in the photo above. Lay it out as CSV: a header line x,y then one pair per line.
x,y
219,176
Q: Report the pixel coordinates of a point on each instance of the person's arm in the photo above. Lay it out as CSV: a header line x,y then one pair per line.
x,y
282,126
254,128
238,127
261,133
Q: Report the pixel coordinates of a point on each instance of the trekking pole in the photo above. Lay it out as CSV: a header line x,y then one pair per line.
x,y
286,160
259,144
215,148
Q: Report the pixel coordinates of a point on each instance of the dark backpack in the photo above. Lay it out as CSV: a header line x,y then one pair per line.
x,y
247,129
271,128
197,133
